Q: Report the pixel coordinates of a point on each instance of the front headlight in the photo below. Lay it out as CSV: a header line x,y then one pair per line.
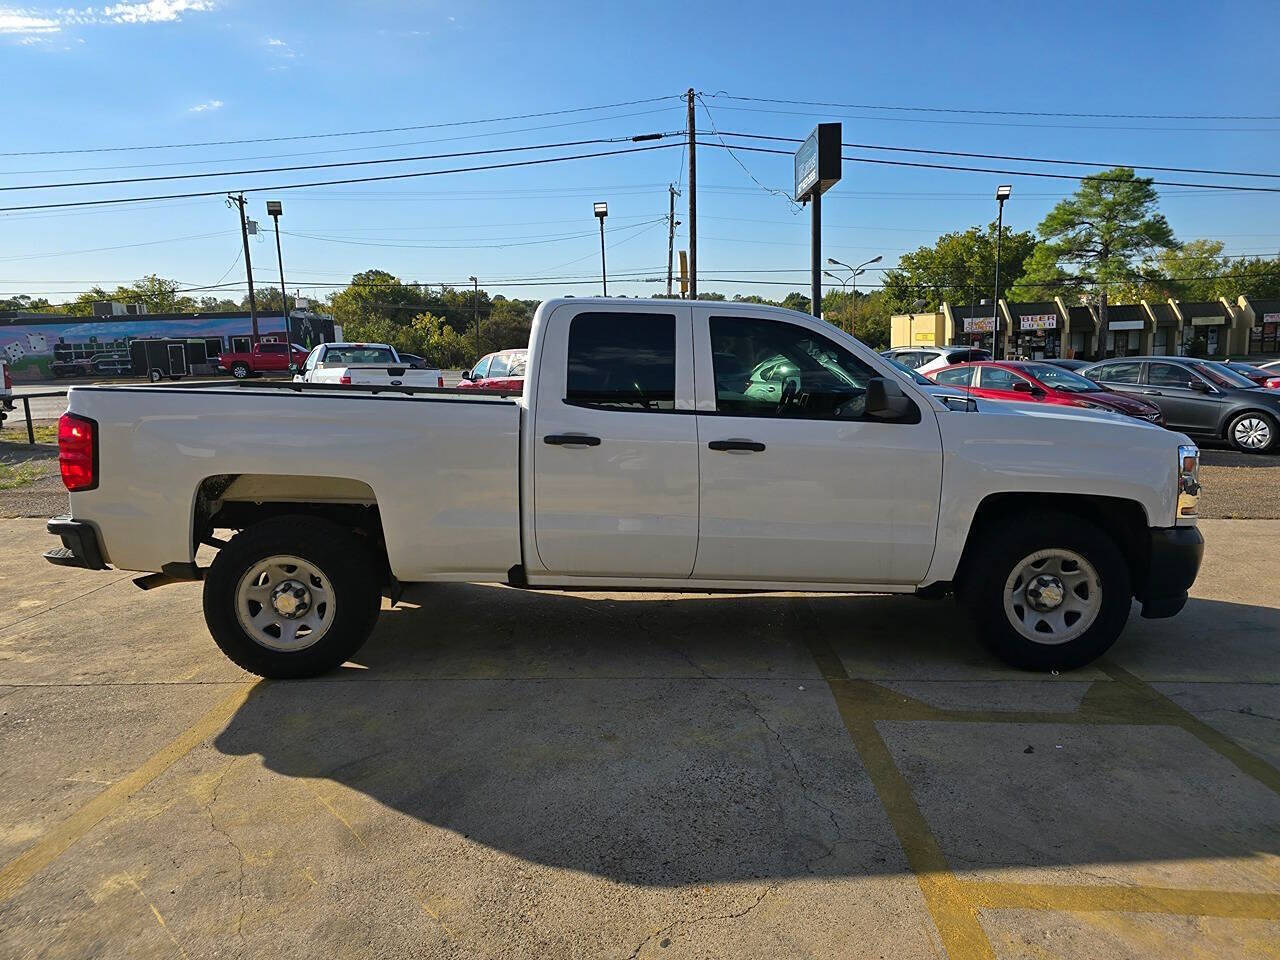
x,y
1188,479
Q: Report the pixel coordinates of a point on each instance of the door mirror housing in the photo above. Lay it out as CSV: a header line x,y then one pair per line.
x,y
1021,386
466,375
1199,386
886,401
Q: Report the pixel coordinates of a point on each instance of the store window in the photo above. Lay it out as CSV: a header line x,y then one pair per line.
x,y
1160,342
1265,338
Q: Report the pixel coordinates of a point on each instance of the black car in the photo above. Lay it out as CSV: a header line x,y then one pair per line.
x,y
1199,398
414,361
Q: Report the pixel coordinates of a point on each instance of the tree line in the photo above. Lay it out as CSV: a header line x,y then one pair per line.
x,y
1107,242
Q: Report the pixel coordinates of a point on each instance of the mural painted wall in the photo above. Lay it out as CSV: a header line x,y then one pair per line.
x,y
31,346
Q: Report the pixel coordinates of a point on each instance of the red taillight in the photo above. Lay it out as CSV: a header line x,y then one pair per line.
x,y
440,380
8,380
345,379
78,452
1272,384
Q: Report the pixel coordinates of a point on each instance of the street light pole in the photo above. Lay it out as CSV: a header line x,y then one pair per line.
x,y
602,211
1002,194
854,274
274,209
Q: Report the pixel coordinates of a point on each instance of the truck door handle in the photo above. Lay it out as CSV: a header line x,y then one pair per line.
x,y
571,440
1152,393
749,446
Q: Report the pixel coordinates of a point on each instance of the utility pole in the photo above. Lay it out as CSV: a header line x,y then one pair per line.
x,y
693,199
475,311
671,231
238,200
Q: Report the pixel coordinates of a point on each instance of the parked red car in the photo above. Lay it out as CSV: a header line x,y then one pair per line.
x,y
503,370
263,358
1030,381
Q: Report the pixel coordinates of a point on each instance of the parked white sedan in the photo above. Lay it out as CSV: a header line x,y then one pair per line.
x,y
928,359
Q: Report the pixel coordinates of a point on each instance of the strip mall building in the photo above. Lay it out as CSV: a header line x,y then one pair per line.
x,y
1051,328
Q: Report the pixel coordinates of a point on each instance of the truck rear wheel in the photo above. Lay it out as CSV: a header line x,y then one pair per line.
x,y
292,597
1047,592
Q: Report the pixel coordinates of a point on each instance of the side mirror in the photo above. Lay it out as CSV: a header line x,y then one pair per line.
x,y
886,401
466,375
1199,386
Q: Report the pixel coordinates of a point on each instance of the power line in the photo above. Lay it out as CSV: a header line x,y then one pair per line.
x,y
340,163
331,150
1004,113
1001,156
327,183
772,191
1019,173
501,245
344,133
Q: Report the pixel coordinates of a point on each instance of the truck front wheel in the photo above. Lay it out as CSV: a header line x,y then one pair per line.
x,y
240,371
292,597
1048,591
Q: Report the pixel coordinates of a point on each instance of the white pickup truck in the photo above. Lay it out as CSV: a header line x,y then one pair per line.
x,y
364,364
658,445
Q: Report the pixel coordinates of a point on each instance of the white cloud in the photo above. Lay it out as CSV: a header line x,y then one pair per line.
x,y
29,23
205,107
154,11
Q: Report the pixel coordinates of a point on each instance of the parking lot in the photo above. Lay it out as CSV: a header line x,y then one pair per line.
x,y
509,774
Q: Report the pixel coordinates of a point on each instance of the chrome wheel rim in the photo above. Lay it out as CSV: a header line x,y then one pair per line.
x,y
285,603
1252,432
1052,596
239,372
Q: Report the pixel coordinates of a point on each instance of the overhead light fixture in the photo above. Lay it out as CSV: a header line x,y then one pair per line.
x,y
1002,192
602,210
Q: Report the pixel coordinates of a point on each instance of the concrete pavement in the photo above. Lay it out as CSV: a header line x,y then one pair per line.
x,y
506,774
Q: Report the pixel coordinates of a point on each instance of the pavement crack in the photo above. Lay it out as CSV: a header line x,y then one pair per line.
x,y
703,918
213,823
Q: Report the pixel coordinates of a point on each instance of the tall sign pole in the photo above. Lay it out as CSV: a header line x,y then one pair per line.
x,y
818,169
238,200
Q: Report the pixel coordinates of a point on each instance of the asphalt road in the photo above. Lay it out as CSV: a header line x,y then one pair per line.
x,y
516,774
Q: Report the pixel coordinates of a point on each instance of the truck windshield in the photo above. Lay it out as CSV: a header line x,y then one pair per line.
x,y
335,356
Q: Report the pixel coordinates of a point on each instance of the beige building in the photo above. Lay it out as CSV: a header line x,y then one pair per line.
x,y
918,330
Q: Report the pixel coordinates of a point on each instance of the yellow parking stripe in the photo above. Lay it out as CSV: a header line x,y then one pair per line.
x,y
1195,903
54,843
953,914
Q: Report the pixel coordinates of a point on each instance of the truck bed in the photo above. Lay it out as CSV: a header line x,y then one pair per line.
x,y
441,465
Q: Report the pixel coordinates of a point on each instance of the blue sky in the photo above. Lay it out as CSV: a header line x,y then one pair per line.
x,y
178,71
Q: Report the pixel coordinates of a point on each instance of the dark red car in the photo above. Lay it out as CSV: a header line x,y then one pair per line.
x,y
1259,375
1034,382
503,370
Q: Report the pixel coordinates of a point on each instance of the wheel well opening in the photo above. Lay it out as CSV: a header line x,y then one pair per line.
x,y
1124,521
239,501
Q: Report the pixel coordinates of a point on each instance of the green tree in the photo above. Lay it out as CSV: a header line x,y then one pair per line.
x,y
796,301
1255,277
1101,235
507,325
960,267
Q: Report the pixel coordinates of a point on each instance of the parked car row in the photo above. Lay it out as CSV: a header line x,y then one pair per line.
x,y
1206,399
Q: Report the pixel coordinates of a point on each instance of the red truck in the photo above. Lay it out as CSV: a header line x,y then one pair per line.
x,y
263,358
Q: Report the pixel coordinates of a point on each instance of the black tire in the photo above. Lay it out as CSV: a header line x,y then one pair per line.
x,y
1269,425
240,371
155,376
992,562
344,558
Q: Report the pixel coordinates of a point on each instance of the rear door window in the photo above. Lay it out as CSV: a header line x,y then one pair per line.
x,y
622,361
1116,373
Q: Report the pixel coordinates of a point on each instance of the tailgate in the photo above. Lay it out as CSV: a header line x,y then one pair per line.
x,y
392,375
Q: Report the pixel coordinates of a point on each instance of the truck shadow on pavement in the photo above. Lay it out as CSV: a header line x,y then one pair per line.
x,y
670,742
